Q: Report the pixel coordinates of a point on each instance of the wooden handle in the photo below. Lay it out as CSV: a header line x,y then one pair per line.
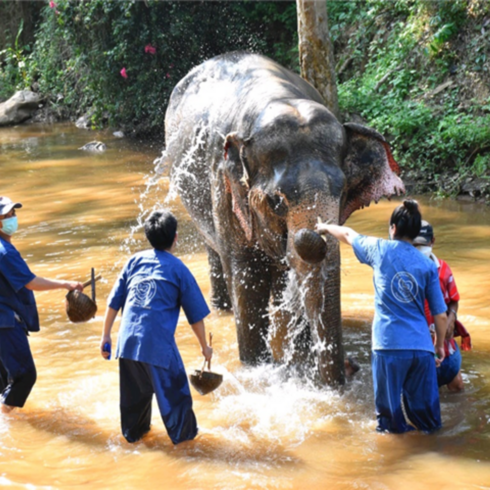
x,y
210,345
85,284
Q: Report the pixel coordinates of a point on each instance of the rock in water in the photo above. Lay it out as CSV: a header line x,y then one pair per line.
x,y
94,146
19,107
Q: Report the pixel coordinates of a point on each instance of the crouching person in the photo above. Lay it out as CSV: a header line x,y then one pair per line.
x,y
150,290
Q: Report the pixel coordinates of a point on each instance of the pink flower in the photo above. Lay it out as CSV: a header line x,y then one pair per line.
x,y
123,73
150,49
52,4
168,75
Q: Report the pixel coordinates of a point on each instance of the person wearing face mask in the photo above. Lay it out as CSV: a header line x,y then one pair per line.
x,y
449,372
18,312
404,369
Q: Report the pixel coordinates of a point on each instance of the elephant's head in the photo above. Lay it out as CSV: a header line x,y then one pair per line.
x,y
296,164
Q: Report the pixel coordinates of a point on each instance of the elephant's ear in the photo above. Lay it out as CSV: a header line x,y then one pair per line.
x,y
237,180
370,169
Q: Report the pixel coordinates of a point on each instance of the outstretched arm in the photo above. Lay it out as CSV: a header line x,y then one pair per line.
x,y
342,233
200,333
43,284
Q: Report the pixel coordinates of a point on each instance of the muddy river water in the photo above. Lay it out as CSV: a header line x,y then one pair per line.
x,y
263,428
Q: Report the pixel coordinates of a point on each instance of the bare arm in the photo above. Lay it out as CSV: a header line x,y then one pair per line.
x,y
342,233
110,316
43,284
452,310
441,327
200,333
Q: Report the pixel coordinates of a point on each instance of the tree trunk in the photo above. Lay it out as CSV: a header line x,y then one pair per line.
x,y
316,50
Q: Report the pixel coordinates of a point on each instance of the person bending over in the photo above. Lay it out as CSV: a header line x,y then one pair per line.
x,y
18,312
404,370
150,290
449,372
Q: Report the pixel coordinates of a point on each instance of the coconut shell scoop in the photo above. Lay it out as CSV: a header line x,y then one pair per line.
x,y
80,307
205,381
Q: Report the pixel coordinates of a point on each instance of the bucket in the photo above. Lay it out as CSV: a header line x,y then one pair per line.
x,y
80,307
205,382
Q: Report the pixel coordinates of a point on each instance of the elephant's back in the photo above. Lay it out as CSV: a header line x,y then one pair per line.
x,y
230,89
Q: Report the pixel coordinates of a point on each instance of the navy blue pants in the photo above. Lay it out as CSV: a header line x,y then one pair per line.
x,y
17,369
449,368
138,381
406,380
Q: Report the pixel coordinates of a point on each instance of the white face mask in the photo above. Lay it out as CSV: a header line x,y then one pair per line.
x,y
427,251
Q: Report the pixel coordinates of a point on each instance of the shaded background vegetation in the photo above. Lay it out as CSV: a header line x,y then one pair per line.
x,y
416,70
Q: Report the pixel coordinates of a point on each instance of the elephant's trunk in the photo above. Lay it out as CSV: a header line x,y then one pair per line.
x,y
317,267
310,246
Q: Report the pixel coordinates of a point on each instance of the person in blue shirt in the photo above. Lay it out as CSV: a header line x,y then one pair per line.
x,y
404,369
18,312
151,289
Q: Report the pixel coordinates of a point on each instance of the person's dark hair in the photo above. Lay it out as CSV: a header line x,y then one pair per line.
x,y
407,219
160,229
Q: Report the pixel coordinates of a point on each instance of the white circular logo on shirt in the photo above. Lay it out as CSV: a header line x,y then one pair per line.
x,y
404,287
144,292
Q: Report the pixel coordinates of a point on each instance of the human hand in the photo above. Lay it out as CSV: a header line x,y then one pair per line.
x,y
440,355
106,339
322,228
207,352
71,285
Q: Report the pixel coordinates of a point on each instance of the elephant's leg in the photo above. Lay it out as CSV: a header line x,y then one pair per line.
x,y
220,298
250,283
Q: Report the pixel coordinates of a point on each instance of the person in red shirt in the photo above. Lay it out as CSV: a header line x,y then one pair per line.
x,y
449,372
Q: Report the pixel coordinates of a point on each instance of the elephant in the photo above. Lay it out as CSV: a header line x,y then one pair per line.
x,y
257,159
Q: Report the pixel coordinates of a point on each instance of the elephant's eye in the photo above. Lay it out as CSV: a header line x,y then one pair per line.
x,y
278,204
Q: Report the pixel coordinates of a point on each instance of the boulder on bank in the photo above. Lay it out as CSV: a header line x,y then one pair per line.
x,y
19,107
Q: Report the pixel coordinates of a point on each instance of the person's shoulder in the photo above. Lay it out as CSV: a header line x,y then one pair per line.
x,y
6,248
366,240
3,246
443,264
444,269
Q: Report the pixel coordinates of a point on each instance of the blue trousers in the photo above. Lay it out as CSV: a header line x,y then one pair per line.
x,y
138,381
449,368
406,380
17,370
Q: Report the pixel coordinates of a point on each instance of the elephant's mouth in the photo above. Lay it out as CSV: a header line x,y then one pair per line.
x,y
310,246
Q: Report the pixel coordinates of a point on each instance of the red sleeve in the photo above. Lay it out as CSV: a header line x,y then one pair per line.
x,y
448,284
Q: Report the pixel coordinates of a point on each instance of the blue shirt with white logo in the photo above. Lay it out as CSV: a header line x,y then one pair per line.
x,y
403,278
151,289
16,301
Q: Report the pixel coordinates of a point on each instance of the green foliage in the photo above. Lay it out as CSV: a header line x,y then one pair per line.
x,y
404,54
81,48
13,75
